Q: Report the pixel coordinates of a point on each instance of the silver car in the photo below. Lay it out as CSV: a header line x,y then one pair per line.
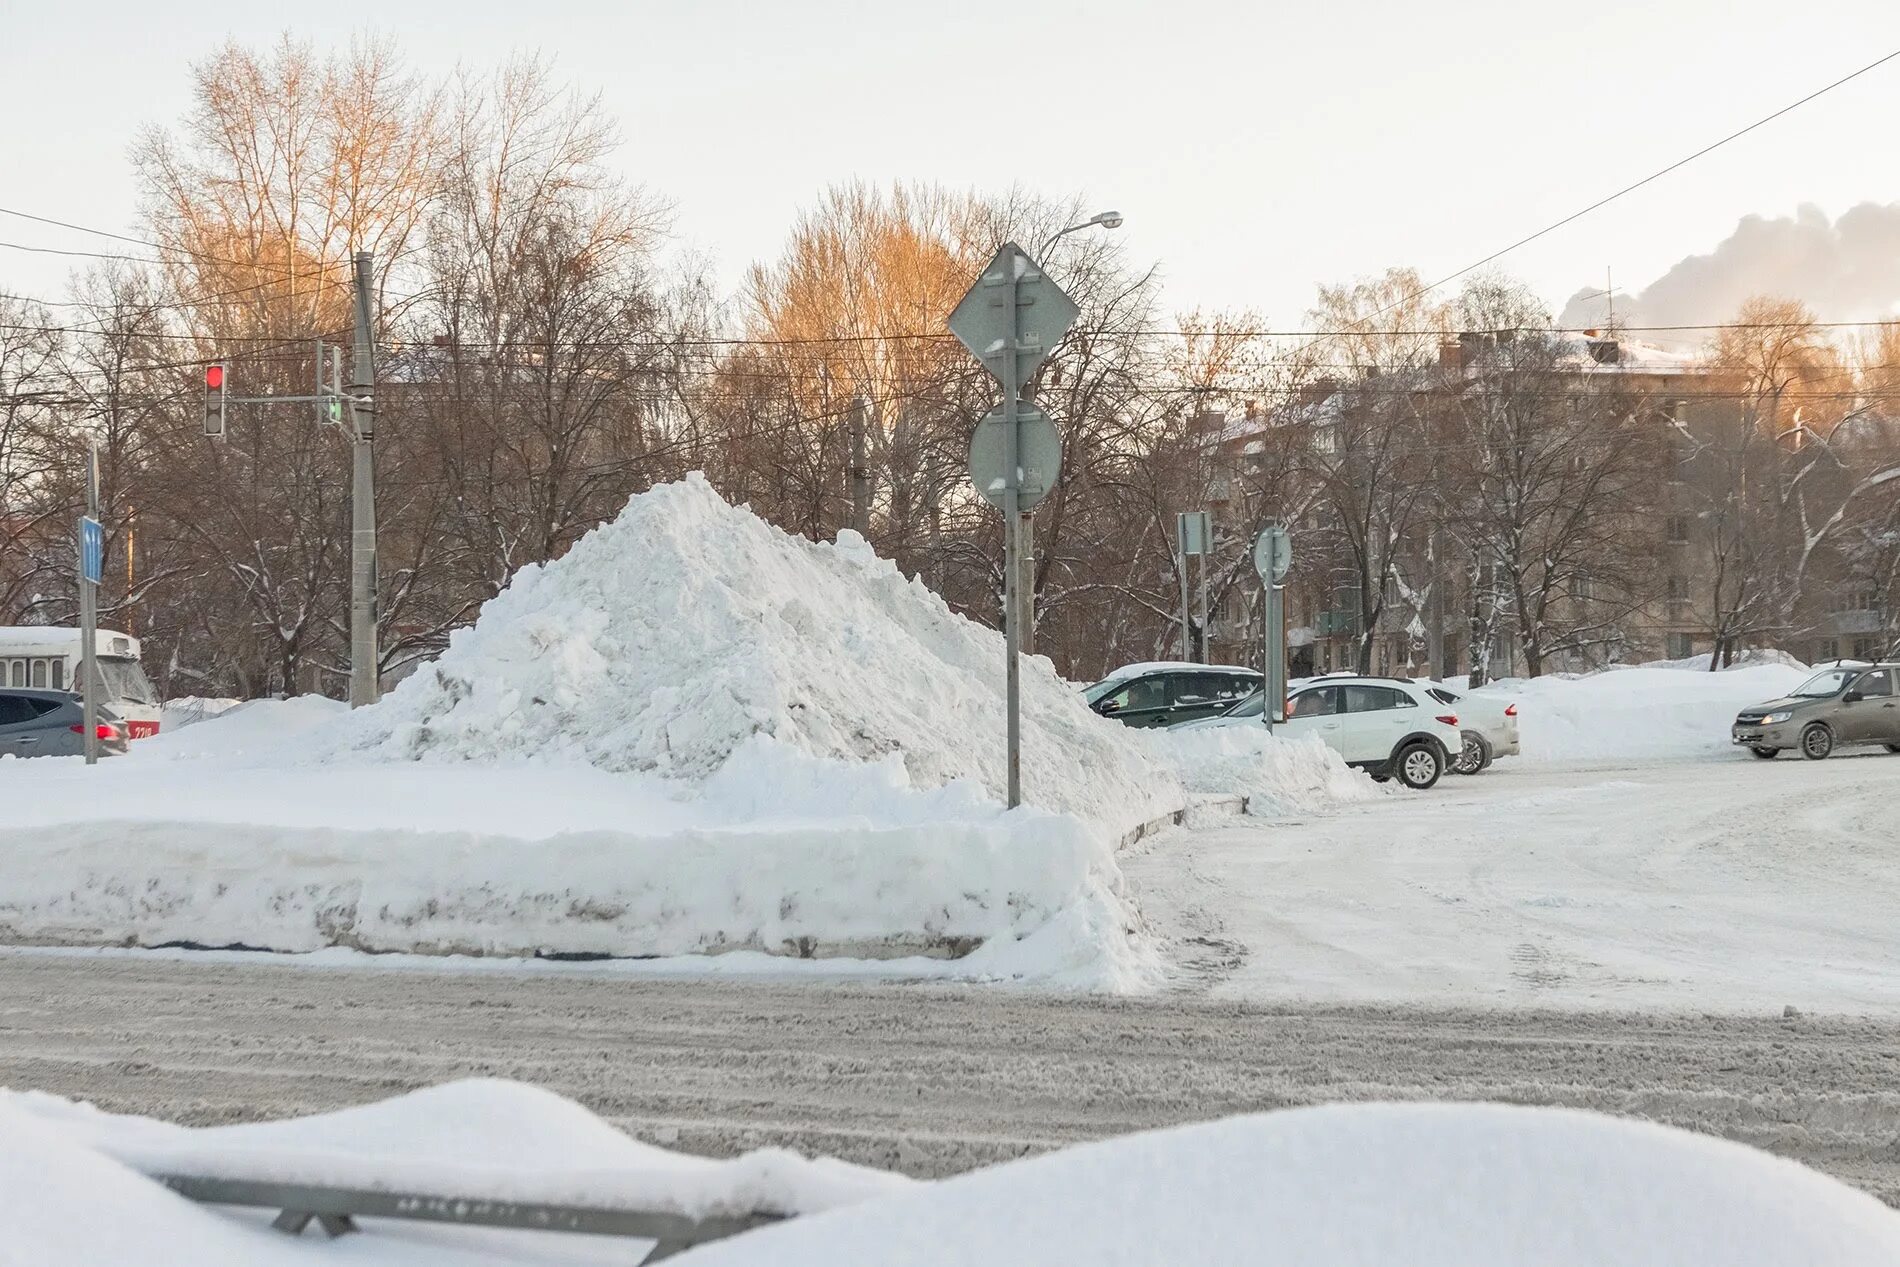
x,y
52,724
1846,704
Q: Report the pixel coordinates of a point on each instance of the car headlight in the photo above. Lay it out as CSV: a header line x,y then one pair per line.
x,y
1775,719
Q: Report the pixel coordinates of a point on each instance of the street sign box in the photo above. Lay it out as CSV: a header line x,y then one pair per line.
x,y
1038,457
92,549
1194,530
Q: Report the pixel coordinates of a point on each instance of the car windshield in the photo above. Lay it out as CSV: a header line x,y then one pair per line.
x,y
1101,690
1252,706
1826,683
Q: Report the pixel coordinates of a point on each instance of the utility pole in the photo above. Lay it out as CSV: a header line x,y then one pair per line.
x,y
860,474
364,688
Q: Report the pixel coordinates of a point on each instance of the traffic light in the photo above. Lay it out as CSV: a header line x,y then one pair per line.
x,y
214,400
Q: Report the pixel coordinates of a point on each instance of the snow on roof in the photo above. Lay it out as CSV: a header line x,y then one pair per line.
x,y
1159,666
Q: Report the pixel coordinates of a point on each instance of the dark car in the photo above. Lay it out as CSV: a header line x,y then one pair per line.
x,y
52,724
1165,693
1846,704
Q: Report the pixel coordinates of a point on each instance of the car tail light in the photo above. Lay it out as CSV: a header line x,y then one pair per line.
x,y
1510,710
104,731
1450,719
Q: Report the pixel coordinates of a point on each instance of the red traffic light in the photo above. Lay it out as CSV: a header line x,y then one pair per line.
x,y
214,377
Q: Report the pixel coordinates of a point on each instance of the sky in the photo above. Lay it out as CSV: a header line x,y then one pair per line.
x,y
1257,148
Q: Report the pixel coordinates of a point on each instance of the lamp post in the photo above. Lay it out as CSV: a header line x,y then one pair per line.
x,y
1026,543
1106,219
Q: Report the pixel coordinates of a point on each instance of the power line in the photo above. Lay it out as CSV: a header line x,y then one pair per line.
x,y
1634,186
147,242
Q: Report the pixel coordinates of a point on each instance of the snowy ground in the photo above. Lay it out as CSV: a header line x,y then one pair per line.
x,y
1720,883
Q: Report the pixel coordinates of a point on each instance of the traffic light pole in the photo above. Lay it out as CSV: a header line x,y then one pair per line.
x,y
364,684
332,402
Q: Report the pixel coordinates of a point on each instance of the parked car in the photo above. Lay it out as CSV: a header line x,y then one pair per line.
x,y
1389,727
1846,704
52,724
1489,726
1165,693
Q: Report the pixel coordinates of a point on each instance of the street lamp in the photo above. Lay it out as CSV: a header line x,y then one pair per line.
x,y
1107,219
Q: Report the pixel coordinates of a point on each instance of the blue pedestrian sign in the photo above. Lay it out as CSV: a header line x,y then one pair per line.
x,y
92,549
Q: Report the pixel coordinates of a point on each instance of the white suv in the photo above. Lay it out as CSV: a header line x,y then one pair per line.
x,y
1390,727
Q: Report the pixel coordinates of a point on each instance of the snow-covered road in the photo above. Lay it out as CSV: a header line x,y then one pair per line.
x,y
926,1079
1724,883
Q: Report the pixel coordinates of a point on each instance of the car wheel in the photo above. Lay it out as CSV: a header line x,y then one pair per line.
x,y
1894,748
1474,756
1418,766
1766,753
1817,741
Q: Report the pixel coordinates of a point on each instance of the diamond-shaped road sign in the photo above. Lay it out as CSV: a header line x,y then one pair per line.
x,y
982,318
1038,457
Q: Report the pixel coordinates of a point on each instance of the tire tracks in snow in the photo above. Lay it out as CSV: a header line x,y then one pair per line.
x,y
930,1080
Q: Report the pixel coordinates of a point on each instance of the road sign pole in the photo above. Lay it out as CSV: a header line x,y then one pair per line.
x,y
91,547
1207,652
1012,534
1273,625
1272,559
1010,320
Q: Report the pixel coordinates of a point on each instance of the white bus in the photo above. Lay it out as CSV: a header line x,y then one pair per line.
x,y
48,656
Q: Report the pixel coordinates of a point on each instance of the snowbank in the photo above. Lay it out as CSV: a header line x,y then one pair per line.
x,y
73,1191
1375,1185
666,638
479,1137
261,727
189,710
1639,712
780,852
1277,776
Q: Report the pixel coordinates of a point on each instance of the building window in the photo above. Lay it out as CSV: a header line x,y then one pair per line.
x,y
1676,596
1863,648
1827,649
1864,601
1678,529
1678,646
1584,588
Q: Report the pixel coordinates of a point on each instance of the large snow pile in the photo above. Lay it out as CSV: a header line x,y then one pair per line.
x,y
667,637
691,734
1371,1185
73,1191
1639,712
